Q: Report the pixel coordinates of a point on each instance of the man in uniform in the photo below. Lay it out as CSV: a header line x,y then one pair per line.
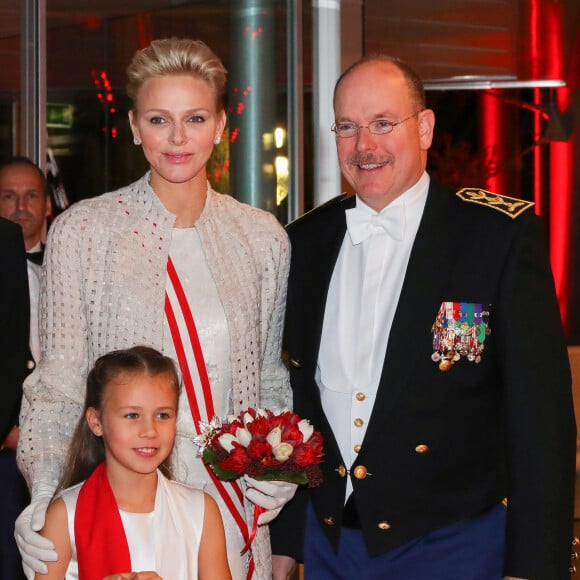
x,y
425,342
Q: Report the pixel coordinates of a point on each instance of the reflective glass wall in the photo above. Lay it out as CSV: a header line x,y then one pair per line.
x,y
10,13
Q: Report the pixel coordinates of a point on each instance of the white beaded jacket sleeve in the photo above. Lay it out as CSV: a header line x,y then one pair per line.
x,y
103,288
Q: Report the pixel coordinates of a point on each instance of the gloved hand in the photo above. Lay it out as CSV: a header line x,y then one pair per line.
x,y
270,495
34,549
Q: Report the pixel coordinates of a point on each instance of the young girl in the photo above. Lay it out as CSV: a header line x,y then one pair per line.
x,y
127,516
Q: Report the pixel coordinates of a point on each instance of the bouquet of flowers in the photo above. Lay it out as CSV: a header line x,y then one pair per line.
x,y
264,445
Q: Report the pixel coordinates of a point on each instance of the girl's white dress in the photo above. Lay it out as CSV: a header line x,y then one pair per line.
x,y
165,540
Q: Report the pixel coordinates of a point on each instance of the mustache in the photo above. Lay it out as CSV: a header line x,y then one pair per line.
x,y
367,159
21,214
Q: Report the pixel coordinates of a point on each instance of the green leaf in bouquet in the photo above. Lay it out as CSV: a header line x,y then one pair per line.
x,y
277,474
210,458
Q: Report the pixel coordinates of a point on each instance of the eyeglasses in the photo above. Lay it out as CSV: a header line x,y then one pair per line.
x,y
378,127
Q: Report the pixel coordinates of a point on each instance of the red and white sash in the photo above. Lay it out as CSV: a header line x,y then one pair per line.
x,y
188,350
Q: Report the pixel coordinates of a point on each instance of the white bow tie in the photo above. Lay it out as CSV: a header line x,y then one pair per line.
x,y
361,224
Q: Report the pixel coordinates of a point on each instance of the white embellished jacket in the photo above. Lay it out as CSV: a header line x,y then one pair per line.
x,y
103,288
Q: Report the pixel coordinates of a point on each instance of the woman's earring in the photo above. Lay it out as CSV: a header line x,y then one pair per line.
x,y
136,140
217,140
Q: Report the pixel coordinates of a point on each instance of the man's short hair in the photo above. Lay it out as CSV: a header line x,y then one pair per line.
x,y
22,160
414,80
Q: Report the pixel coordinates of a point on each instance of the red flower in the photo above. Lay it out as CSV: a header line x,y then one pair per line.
x,y
238,460
292,435
309,453
285,419
258,449
304,456
259,427
231,427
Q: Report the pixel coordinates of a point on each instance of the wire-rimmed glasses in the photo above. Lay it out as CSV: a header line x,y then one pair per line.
x,y
377,127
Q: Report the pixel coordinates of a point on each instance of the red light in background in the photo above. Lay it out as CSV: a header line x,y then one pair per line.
x,y
490,137
106,97
143,30
93,23
561,164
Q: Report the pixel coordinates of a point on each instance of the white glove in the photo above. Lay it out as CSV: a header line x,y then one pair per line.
x,y
35,549
270,495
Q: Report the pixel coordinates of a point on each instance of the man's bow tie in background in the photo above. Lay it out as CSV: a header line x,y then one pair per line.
x,y
361,224
35,257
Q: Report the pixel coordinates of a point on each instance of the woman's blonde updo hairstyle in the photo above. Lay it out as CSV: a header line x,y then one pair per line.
x,y
177,56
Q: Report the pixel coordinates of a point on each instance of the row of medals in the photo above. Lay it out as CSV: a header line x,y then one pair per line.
x,y
459,331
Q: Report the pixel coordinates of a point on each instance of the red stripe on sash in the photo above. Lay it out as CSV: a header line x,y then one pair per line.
x,y
102,548
182,359
185,310
193,336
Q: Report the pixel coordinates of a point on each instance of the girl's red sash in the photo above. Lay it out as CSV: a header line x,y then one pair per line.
x,y
102,547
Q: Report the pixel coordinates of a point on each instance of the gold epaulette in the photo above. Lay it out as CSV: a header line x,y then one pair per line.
x,y
511,206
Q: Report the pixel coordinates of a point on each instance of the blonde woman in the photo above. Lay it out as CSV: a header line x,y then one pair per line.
x,y
167,262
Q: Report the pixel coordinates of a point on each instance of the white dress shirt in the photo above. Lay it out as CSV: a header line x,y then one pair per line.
x,y
362,298
34,271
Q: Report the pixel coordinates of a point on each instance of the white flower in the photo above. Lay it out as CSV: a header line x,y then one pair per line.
x,y
274,437
247,419
226,441
306,429
243,436
283,451
207,432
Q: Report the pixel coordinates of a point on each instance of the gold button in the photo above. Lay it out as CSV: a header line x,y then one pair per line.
x,y
328,520
421,448
356,448
341,471
384,525
360,397
360,472
295,363
358,422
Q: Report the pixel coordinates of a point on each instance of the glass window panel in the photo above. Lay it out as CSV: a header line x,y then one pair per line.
x,y
10,42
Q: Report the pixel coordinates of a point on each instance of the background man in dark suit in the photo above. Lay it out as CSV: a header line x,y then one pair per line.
x,y
14,325
24,200
425,342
